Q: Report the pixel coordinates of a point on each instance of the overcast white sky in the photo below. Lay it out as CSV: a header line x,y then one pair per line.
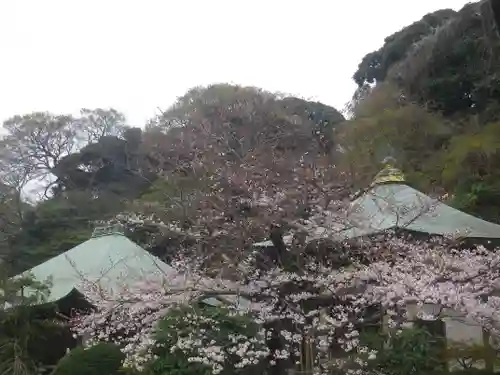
x,y
135,56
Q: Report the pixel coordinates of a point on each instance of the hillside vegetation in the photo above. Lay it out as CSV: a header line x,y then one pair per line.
x,y
430,96
195,167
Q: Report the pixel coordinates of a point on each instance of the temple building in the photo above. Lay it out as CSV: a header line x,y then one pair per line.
x,y
108,261
391,204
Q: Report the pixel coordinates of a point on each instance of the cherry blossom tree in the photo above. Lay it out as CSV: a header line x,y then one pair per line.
x,y
221,187
310,305
234,165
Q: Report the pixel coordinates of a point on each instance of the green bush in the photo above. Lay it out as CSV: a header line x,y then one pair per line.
x,y
101,359
210,325
413,351
27,330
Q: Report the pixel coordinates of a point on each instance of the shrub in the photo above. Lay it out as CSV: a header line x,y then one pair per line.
x,y
186,336
413,351
101,359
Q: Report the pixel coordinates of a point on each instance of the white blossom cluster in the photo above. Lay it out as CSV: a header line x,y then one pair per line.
x,y
239,350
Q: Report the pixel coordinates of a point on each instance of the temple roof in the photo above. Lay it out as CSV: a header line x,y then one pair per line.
x,y
396,205
112,262
108,258
389,203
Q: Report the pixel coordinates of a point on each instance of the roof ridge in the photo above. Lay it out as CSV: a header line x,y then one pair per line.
x,y
108,230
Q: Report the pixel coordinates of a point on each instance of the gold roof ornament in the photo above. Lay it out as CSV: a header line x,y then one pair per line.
x,y
389,174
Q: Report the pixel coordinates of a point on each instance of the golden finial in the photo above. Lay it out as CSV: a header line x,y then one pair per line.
x,y
389,173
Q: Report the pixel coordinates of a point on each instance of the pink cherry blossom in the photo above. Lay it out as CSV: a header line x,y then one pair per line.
x,y
324,305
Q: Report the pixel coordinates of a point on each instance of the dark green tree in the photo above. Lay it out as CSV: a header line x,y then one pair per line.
x,y
101,359
448,61
32,337
375,65
110,165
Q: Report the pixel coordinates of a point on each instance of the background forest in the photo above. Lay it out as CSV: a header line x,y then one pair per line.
x,y
429,97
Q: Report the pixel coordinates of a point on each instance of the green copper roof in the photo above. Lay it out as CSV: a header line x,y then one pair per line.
x,y
112,261
394,205
109,259
391,204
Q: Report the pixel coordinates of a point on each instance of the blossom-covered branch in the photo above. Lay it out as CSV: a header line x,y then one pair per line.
x,y
324,306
